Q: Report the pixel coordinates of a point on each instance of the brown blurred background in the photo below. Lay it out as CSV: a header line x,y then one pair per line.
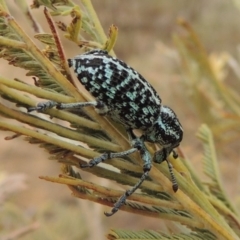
x,y
145,36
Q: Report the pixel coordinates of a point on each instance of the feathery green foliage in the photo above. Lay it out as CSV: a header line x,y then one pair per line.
x,y
199,211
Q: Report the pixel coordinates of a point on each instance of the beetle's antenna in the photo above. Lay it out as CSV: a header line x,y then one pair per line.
x,y
173,178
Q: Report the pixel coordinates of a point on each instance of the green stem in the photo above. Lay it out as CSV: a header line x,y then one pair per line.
x,y
12,43
36,91
47,139
4,5
58,129
94,18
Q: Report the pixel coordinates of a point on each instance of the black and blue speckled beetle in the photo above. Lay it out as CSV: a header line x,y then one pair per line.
x,y
127,98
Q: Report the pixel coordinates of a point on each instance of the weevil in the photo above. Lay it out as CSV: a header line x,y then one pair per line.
x,y
127,98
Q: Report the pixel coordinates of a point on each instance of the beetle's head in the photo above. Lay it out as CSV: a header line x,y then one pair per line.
x,y
167,130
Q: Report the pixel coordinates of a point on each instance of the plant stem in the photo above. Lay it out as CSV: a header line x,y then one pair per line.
x,y
94,18
47,139
58,129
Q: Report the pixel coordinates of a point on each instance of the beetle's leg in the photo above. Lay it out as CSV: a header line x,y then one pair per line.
x,y
106,156
138,144
43,106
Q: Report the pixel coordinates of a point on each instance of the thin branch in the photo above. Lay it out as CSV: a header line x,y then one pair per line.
x,y
12,43
59,47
